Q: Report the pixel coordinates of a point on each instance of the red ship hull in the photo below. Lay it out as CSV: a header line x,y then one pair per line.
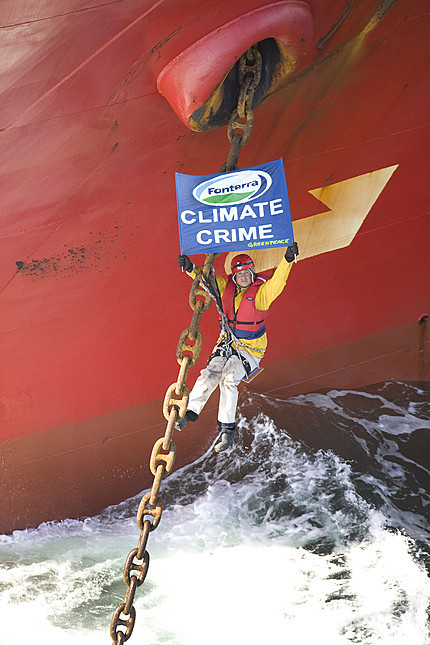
x,y
92,301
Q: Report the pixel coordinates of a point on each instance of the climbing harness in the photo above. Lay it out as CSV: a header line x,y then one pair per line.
x,y
228,343
230,338
187,354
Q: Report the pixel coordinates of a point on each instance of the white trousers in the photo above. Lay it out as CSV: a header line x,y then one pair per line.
x,y
227,373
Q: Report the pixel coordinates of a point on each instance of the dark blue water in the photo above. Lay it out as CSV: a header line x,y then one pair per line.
x,y
313,528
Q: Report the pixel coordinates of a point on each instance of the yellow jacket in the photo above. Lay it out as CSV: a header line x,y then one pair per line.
x,y
264,297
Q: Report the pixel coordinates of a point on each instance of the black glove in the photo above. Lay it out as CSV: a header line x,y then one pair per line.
x,y
291,252
184,262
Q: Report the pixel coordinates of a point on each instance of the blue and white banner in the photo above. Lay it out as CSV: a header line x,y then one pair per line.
x,y
234,211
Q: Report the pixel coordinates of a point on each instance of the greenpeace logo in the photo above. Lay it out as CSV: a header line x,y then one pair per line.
x,y
234,188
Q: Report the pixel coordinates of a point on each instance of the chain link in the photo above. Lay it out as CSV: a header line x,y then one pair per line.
x,y
194,349
187,354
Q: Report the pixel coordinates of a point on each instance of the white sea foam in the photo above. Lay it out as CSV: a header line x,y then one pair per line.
x,y
246,593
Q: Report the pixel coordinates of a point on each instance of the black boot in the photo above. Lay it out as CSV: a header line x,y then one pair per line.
x,y
188,416
227,434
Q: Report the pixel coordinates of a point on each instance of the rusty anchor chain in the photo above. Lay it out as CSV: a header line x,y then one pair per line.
x,y
187,354
242,117
162,460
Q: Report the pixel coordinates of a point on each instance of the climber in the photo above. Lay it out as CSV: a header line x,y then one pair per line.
x,y
245,298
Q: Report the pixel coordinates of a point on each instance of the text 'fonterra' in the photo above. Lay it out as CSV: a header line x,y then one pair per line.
x,y
227,213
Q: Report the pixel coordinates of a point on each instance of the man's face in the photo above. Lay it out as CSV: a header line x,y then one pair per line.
x,y
243,278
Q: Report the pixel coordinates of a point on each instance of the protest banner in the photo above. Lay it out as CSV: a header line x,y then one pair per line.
x,y
234,211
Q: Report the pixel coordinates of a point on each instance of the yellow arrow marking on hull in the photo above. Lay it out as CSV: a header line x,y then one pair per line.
x,y
349,201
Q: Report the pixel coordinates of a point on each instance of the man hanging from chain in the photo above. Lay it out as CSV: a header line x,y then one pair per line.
x,y
242,300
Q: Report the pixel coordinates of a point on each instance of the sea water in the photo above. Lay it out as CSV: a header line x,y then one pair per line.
x,y
314,530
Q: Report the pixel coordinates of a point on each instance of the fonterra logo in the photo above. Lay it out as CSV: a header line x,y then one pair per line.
x,y
234,188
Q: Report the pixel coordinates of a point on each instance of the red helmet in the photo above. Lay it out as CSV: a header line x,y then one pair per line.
x,y
241,262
